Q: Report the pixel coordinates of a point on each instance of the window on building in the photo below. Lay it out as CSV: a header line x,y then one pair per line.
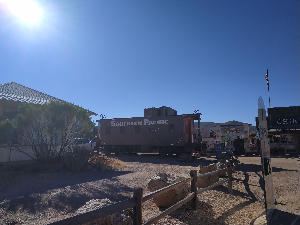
x,y
166,112
108,130
171,128
122,130
137,129
147,113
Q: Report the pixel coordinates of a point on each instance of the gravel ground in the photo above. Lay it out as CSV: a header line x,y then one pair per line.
x,y
41,198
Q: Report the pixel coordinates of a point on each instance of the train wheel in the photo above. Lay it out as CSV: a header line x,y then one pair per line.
x,y
119,150
163,152
129,150
179,151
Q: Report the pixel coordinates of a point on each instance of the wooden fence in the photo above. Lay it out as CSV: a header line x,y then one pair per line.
x,y
138,199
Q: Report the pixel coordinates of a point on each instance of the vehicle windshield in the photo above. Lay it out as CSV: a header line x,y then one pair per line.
x,y
81,140
93,140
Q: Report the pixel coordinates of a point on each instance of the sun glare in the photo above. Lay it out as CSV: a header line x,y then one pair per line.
x,y
27,10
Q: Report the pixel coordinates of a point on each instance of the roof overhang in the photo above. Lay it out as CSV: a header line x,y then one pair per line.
x,y
194,116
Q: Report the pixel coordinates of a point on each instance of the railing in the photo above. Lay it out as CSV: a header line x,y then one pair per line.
x,y
138,199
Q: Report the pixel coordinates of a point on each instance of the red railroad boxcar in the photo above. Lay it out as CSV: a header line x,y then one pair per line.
x,y
160,130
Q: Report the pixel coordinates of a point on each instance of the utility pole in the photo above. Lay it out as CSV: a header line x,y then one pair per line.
x,y
199,132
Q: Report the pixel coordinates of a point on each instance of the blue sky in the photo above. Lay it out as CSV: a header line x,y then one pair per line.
x,y
119,57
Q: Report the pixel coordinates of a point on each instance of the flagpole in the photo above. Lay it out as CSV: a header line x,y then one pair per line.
x,y
268,88
267,79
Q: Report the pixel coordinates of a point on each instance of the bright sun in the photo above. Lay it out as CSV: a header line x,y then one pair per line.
x,y
27,10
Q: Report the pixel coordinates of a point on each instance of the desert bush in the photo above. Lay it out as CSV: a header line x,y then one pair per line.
x,y
49,130
76,158
102,162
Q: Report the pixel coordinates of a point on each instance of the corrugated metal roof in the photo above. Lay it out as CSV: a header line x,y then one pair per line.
x,y
18,93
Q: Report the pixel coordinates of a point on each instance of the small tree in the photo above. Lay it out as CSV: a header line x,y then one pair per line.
x,y
225,138
50,130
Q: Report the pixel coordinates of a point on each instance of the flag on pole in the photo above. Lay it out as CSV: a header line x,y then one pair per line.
x,y
267,79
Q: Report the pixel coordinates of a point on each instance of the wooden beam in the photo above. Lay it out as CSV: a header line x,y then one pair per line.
x,y
210,173
194,201
170,209
96,214
229,172
137,210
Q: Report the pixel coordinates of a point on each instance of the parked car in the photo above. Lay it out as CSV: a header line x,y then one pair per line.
x,y
85,143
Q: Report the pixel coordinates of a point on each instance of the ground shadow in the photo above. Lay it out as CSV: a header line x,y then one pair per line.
x,y
65,202
189,216
250,196
257,168
281,218
37,183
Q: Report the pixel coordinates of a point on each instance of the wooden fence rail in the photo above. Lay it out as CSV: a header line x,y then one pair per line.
x,y
138,199
170,209
165,189
96,214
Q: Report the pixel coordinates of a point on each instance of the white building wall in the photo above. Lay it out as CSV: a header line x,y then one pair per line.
x,y
7,154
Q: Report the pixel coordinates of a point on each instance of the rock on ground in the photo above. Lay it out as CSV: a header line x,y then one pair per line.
x,y
173,195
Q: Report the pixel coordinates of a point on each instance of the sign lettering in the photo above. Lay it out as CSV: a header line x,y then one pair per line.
x,y
288,121
113,123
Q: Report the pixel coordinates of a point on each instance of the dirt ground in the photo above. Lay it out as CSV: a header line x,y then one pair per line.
x,y
42,198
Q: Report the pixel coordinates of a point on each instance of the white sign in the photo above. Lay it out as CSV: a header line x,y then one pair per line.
x,y
261,104
138,123
288,121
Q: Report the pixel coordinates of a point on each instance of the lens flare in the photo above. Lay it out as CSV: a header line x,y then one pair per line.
x,y
27,10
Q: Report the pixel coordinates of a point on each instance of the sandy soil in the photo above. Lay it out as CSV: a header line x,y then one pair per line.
x,y
42,198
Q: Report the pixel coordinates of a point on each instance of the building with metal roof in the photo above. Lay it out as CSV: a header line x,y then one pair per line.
x,y
13,94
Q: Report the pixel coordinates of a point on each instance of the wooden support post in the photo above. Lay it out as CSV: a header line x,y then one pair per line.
x,y
137,210
229,172
194,200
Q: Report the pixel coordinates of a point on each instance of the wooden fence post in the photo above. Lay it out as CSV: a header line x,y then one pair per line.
x,y
194,200
229,172
137,210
